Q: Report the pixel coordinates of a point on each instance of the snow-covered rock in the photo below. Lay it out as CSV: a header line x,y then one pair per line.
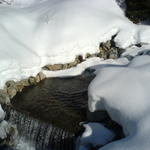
x,y
123,91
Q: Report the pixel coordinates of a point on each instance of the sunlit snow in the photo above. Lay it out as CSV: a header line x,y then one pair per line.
x,y
55,31
123,91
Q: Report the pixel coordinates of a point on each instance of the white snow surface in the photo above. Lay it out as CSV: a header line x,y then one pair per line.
x,y
123,91
96,135
36,33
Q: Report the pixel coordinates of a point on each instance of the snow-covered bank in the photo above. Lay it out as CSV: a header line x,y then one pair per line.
x,y
55,31
123,91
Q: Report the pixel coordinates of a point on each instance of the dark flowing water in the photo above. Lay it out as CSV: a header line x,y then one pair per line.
x,y
48,114
58,101
4,147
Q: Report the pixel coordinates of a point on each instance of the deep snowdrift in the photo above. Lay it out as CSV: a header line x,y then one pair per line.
x,y
123,91
55,31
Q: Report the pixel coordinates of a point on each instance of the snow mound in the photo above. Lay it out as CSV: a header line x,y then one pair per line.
x,y
123,91
35,33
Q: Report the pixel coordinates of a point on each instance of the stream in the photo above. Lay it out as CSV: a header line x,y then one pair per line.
x,y
48,115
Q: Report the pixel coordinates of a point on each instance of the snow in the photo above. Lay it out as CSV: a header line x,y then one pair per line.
x,y
4,129
123,91
2,113
96,135
35,33
134,50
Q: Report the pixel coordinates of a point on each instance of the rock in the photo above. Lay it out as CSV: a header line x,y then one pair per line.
x,y
113,53
4,98
109,50
79,59
32,81
54,67
37,78
42,76
88,55
24,82
19,87
12,91
11,88
10,84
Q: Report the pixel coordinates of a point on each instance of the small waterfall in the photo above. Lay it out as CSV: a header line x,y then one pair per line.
x,y
36,135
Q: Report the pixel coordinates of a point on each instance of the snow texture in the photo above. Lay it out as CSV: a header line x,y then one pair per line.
x,y
36,33
123,91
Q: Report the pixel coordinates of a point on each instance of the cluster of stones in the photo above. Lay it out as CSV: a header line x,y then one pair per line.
x,y
78,59
107,50
11,87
